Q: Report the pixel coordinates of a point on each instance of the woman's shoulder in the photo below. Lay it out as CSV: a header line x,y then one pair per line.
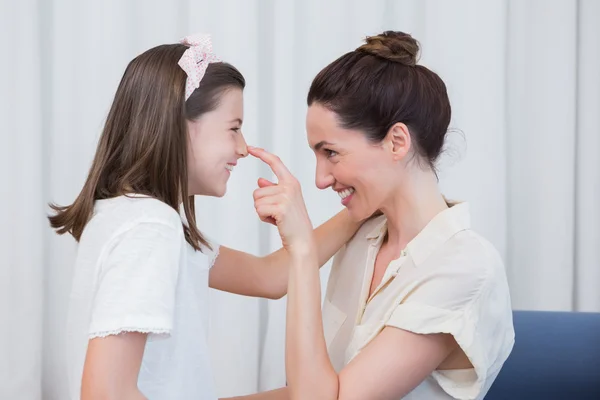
x,y
468,266
469,249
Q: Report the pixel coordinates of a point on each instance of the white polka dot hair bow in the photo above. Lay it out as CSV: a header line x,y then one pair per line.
x,y
195,60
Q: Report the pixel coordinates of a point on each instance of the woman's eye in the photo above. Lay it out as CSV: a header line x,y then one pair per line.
x,y
236,130
330,153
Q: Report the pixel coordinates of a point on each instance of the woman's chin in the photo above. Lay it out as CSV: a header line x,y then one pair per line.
x,y
358,214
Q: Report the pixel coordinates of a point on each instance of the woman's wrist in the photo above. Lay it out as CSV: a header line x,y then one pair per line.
x,y
304,253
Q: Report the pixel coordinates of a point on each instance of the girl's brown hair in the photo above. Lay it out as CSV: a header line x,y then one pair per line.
x,y
143,146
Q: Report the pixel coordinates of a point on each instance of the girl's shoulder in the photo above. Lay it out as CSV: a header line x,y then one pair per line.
x,y
136,208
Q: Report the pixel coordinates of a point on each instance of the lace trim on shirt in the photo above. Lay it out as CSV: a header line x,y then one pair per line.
x,y
103,334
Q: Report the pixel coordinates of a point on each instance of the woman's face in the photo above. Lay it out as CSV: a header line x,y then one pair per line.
x,y
363,173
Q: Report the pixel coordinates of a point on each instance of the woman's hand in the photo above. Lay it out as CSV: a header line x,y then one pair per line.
x,y
282,204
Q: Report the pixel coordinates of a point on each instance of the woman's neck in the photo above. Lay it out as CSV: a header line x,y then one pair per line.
x,y
414,204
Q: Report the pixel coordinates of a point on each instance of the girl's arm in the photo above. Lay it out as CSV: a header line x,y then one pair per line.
x,y
242,273
136,293
111,368
277,394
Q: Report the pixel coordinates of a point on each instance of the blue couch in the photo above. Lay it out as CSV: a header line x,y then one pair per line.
x,y
556,356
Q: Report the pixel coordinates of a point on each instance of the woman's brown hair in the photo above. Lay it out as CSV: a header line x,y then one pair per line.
x,y
143,146
380,84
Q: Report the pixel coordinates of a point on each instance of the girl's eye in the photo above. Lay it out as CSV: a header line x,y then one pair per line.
x,y
236,130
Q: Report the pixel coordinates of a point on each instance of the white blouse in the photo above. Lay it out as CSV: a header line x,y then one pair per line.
x,y
135,272
448,280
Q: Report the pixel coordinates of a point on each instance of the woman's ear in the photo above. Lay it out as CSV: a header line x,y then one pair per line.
x,y
399,141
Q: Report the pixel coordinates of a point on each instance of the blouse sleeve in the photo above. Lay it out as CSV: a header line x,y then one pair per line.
x,y
136,288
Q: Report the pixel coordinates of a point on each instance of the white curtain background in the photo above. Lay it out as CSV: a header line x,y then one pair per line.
x,y
525,88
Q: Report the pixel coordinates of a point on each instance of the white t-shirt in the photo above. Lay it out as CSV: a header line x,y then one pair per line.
x,y
135,272
448,280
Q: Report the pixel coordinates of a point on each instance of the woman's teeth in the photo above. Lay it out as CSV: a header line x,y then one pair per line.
x,y
346,192
229,167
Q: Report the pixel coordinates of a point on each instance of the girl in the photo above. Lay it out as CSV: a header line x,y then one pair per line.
x,y
138,308
417,303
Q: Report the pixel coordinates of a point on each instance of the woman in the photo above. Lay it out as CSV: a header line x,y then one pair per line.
x,y
417,304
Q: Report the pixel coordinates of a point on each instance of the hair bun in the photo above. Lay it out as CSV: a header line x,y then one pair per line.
x,y
394,46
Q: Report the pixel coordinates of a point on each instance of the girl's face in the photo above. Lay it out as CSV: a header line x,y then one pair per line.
x,y
216,144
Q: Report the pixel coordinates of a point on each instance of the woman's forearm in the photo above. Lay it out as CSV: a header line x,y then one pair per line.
x,y
308,368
